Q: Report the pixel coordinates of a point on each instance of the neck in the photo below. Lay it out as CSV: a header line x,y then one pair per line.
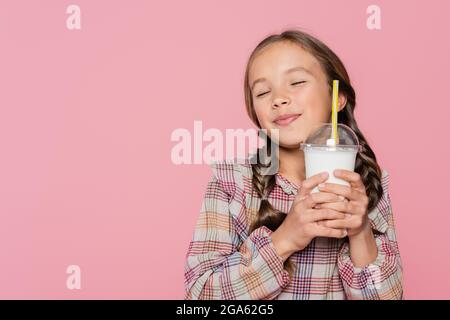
x,y
292,164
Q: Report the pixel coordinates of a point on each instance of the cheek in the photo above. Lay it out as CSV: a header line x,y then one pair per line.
x,y
263,115
317,107
320,113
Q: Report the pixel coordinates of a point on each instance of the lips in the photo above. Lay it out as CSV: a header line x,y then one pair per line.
x,y
286,119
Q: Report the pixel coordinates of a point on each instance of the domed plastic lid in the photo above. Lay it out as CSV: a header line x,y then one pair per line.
x,y
321,138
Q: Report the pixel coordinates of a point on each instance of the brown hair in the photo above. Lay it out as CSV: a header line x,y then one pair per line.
x,y
366,164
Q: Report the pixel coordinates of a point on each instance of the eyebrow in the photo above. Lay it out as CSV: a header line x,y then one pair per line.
x,y
287,71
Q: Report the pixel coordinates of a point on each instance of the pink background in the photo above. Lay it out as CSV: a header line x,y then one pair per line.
x,y
86,176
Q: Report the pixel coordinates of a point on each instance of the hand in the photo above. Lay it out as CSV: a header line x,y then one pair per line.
x,y
301,223
355,206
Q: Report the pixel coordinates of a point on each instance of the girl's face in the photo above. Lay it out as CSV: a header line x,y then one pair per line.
x,y
287,81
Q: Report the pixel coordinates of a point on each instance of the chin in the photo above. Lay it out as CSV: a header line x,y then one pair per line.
x,y
290,143
290,139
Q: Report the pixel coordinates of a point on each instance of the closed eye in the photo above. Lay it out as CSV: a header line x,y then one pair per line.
x,y
261,94
294,84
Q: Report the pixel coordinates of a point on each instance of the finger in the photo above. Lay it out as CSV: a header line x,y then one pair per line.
x,y
321,231
341,206
316,198
339,223
323,197
339,189
314,215
311,183
352,177
349,208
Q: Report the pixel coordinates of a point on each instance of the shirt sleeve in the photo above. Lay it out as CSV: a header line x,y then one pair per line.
x,y
382,279
221,266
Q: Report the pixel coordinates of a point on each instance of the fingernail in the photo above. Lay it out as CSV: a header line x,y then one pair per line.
x,y
337,171
322,185
342,198
347,215
324,174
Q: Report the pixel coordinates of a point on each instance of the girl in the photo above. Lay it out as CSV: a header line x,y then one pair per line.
x,y
267,236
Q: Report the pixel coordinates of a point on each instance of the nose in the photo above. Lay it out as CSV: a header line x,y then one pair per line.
x,y
280,101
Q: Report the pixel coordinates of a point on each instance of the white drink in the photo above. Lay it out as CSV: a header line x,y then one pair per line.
x,y
320,159
323,153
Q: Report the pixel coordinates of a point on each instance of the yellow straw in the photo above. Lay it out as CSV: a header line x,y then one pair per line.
x,y
334,111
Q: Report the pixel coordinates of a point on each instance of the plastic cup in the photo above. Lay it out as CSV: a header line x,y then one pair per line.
x,y
322,153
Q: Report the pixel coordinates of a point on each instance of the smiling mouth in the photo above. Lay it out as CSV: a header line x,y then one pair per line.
x,y
287,120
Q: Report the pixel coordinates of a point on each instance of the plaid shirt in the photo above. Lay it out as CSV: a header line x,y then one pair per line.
x,y
224,261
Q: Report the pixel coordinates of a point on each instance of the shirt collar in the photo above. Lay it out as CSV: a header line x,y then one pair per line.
x,y
287,186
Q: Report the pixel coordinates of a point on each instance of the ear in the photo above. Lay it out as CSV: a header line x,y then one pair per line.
x,y
342,101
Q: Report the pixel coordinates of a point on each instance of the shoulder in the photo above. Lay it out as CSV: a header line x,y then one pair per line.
x,y
380,215
232,174
385,179
385,182
384,201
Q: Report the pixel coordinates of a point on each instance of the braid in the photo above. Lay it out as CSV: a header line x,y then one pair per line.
x,y
267,215
366,162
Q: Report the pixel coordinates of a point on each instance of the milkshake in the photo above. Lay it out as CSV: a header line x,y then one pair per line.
x,y
324,153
